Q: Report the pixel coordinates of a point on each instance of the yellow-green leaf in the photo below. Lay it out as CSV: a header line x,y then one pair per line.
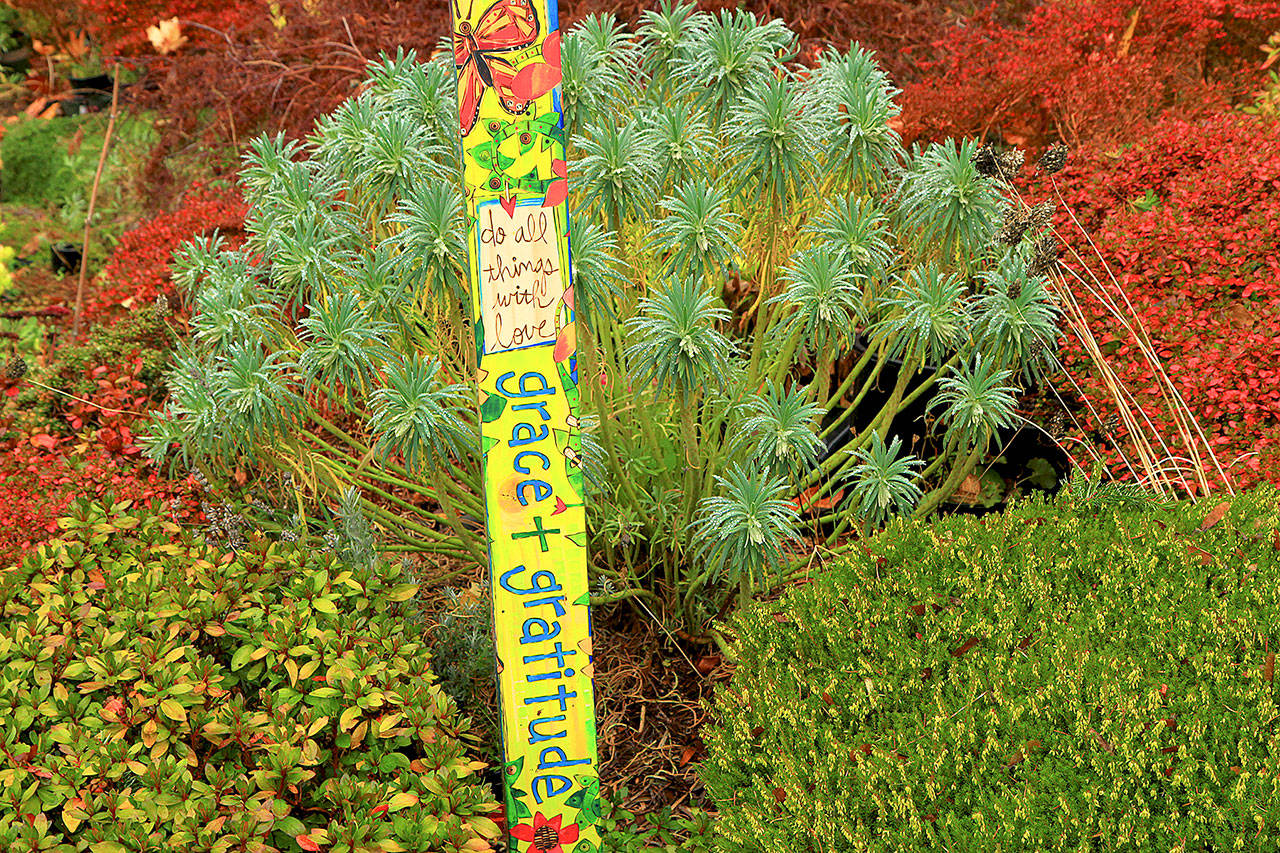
x,y
348,718
174,711
403,592
402,801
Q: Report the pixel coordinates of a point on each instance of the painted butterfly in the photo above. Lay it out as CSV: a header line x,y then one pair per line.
x,y
505,27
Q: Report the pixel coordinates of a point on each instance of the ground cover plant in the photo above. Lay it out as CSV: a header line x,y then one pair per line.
x,y
1077,674
710,381
161,694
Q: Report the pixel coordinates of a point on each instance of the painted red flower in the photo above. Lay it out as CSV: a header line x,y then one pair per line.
x,y
546,836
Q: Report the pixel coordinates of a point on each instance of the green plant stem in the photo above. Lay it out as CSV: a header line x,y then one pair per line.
x,y
963,468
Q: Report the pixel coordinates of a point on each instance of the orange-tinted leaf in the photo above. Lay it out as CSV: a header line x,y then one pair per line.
x,y
1215,515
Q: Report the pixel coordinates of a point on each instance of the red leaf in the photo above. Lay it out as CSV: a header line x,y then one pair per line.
x,y
306,842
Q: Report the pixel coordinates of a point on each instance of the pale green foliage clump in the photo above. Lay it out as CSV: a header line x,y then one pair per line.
x,y
740,226
1068,675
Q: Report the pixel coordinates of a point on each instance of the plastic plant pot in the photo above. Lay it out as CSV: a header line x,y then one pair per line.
x,y
65,257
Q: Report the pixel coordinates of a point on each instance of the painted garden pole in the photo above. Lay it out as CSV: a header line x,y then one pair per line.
x,y
507,54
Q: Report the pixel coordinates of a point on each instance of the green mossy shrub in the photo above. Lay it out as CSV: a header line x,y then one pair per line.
x,y
157,695
1061,676
37,169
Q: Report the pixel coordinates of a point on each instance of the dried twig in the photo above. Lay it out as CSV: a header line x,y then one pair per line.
x,y
93,200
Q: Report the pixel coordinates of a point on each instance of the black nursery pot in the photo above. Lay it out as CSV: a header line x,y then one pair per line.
x,y
96,83
65,257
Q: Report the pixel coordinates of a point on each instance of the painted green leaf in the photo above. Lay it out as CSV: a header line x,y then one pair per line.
x,y
492,408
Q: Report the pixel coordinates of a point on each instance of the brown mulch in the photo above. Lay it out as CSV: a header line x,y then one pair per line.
x,y
650,694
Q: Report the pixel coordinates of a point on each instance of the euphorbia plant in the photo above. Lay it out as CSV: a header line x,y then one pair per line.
x,y
739,226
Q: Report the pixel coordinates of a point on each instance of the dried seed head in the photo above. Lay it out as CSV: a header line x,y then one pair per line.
x,y
199,477
1111,424
1015,290
1009,163
1058,423
1014,226
1054,158
288,536
1044,256
985,161
161,305
1041,215
16,368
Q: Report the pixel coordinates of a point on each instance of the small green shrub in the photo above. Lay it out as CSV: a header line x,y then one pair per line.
x,y
37,169
162,696
1078,674
622,832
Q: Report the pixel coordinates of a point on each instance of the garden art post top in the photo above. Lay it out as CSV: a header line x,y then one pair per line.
x,y
507,56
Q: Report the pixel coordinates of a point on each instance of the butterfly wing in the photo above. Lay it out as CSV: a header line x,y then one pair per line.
x,y
470,91
504,75
507,25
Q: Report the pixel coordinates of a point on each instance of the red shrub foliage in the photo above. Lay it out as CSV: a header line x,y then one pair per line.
x,y
120,25
1187,224
40,477
138,269
1086,69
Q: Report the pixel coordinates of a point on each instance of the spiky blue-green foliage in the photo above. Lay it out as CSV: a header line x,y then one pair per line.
x,y
257,393
344,344
612,45
855,98
743,532
588,84
856,228
617,175
665,35
266,160
231,304
823,298
700,231
728,55
779,429
884,481
417,417
976,402
192,418
427,92
947,209
677,344
927,315
597,282
682,141
1017,317
430,236
195,260
773,137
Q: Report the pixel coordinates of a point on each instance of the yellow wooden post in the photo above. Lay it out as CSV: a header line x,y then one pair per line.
x,y
507,55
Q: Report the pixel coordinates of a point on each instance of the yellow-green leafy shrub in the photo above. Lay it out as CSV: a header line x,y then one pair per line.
x,y
1064,676
157,695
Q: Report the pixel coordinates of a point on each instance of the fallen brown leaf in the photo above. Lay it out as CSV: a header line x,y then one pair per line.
x,y
1215,515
